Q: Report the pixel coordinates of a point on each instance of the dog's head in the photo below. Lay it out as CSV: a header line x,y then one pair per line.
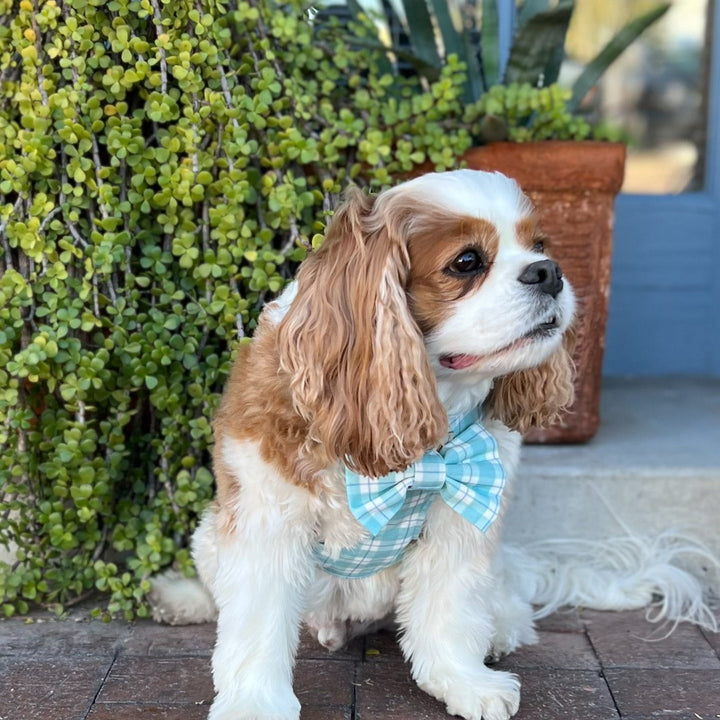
x,y
444,276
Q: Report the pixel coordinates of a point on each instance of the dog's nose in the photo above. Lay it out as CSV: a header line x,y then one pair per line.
x,y
545,274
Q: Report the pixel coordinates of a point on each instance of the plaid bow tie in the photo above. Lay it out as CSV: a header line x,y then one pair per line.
x,y
466,471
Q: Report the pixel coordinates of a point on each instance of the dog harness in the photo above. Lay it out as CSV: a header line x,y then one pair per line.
x,y
466,473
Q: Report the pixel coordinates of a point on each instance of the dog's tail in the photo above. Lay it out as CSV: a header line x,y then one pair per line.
x,y
618,574
177,600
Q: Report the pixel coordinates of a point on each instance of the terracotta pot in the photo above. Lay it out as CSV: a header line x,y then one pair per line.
x,y
573,186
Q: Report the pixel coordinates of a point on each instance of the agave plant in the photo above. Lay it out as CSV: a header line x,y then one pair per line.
x,y
536,53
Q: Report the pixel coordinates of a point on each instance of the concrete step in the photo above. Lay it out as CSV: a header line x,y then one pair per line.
x,y
653,465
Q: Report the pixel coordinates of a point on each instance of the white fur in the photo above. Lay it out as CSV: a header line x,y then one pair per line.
x,y
177,600
446,621
277,308
522,310
615,574
454,598
260,581
488,196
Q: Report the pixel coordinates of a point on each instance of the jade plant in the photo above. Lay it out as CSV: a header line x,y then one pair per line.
x,y
164,166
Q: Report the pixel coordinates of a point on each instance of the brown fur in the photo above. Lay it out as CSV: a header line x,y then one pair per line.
x,y
257,405
526,231
536,397
352,350
432,249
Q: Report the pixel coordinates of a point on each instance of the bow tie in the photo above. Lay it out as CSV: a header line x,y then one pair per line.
x,y
466,472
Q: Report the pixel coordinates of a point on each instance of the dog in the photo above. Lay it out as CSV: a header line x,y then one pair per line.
x,y
431,325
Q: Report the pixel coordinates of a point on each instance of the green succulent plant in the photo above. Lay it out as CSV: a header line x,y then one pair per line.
x,y
164,166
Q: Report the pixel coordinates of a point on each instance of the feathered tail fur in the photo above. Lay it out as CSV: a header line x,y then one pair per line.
x,y
618,574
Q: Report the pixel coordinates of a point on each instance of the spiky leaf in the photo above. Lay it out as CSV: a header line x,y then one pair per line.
x,y
422,33
536,44
490,45
452,39
600,63
458,42
530,8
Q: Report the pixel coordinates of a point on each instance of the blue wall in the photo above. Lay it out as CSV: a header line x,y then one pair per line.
x,y
665,296
665,288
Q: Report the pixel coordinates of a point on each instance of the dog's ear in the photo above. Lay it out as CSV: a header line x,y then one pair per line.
x,y
358,370
536,397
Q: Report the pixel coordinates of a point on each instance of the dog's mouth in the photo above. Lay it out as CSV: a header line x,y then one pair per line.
x,y
462,361
545,328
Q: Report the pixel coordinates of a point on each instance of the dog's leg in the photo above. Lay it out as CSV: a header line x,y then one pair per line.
x,y
263,573
446,627
264,566
512,619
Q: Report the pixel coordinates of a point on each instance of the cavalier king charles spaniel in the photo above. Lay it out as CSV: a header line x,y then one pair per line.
x,y
367,440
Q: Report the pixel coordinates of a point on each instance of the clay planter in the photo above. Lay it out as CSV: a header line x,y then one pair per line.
x,y
573,186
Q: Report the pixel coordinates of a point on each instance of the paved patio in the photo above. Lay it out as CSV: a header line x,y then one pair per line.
x,y
588,666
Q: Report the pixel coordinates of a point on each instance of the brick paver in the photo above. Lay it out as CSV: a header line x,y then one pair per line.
x,y
714,640
628,641
561,651
163,680
587,666
663,693
50,687
153,640
134,711
386,690
549,694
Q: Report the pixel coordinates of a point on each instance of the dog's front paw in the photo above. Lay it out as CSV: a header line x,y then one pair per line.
x,y
269,706
492,695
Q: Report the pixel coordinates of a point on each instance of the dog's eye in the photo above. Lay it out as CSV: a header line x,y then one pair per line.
x,y
539,246
468,262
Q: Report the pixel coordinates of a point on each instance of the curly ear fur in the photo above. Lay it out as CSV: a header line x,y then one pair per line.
x,y
358,370
536,397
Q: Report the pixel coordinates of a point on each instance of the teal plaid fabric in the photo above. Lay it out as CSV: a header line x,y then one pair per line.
x,y
467,474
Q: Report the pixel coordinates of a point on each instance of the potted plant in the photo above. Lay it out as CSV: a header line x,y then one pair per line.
x,y
526,126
